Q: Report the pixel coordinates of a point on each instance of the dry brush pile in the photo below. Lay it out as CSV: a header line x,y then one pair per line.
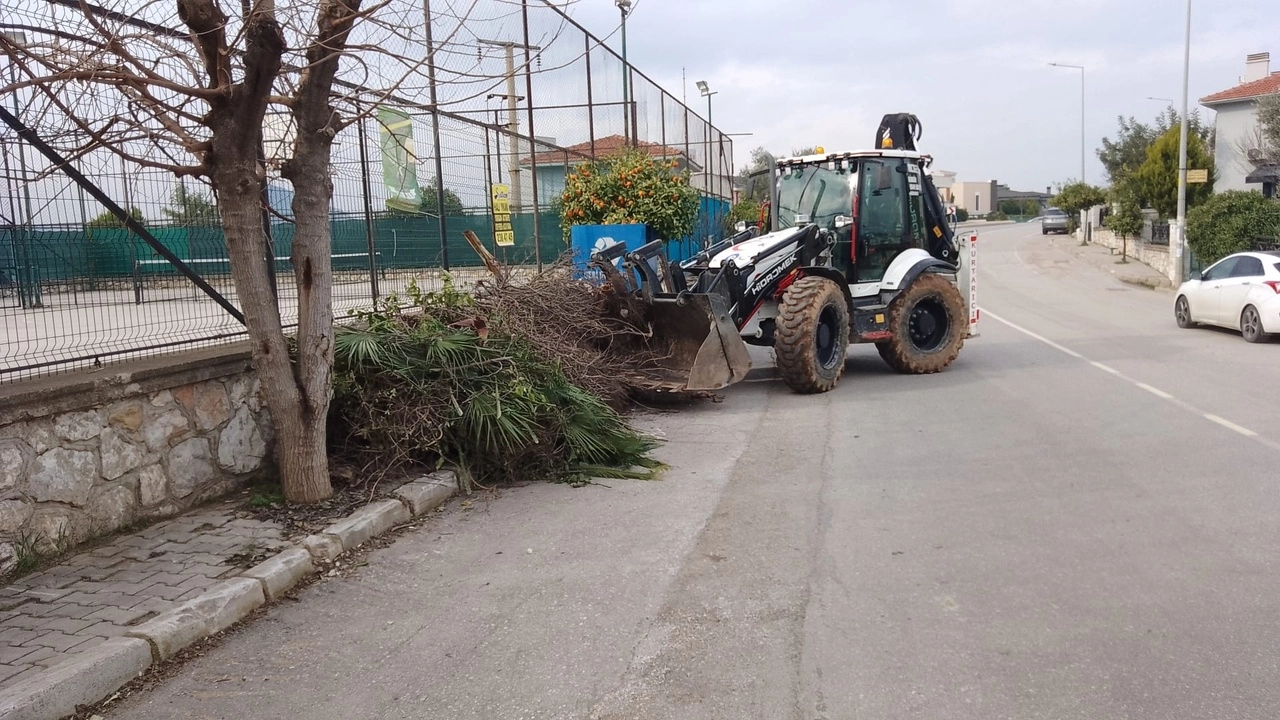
x,y
518,380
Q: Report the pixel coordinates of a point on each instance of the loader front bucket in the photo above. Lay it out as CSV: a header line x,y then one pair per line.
x,y
699,347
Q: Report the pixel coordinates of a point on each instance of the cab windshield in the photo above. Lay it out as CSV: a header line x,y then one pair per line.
x,y
820,192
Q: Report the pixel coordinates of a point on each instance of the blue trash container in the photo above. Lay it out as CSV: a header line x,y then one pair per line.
x,y
586,239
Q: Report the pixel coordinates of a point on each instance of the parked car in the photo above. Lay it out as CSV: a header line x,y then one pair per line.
x,y
1054,220
1239,292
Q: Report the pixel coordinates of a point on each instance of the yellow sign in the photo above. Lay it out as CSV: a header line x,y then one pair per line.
x,y
1197,176
503,235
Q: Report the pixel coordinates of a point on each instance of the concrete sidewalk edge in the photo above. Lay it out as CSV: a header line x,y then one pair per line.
x,y
93,675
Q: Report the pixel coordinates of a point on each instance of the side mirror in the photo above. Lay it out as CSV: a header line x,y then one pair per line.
x,y
843,221
1204,274
740,226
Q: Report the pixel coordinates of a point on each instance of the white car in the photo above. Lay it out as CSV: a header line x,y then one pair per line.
x,y
1239,292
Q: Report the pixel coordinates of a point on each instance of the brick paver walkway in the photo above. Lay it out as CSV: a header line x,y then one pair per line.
x,y
101,593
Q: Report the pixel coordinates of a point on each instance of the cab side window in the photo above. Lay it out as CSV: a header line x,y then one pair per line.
x,y
882,216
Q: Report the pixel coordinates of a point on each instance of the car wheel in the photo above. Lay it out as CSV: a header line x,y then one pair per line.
x,y
1251,326
1182,312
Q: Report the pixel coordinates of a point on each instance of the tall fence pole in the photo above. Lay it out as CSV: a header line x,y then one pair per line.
x,y
533,143
488,185
591,107
367,191
435,137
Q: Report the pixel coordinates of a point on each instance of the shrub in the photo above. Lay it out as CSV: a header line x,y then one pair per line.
x,y
1229,222
962,215
631,187
747,211
449,378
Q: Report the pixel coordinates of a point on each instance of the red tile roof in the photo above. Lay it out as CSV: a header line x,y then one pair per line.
x,y
1269,85
604,147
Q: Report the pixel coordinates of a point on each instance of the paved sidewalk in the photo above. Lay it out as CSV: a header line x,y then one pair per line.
x,y
1104,258
47,617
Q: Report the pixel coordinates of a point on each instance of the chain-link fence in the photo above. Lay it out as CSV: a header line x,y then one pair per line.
x,y
524,95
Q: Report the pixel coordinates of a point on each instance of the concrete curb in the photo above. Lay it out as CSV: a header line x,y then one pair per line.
x,y
83,680
1146,282
93,675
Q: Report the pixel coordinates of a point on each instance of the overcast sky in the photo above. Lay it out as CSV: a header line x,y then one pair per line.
x,y
823,72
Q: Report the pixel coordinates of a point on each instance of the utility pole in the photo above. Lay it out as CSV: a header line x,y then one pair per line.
x,y
1180,242
435,137
513,119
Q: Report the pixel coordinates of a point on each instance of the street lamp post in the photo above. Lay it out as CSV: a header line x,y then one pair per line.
x,y
707,92
1180,242
624,6
1082,133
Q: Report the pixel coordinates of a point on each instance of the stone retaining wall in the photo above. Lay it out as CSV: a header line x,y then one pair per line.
x,y
1157,257
83,455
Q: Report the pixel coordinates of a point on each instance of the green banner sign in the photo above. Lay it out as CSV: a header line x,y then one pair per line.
x,y
399,162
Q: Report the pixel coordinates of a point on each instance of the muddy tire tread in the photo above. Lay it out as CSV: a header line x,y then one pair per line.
x,y
898,352
795,348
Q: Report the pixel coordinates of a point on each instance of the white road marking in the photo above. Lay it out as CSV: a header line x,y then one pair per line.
x,y
1105,368
1024,331
1230,425
1153,390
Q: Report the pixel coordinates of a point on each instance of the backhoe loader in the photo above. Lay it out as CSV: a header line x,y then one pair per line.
x,y
854,247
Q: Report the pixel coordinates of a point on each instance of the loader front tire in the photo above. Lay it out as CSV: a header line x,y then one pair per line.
x,y
929,323
812,335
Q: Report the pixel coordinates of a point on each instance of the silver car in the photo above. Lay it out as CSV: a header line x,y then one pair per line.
x,y
1055,220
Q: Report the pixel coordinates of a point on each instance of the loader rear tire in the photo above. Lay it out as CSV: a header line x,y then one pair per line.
x,y
929,324
812,335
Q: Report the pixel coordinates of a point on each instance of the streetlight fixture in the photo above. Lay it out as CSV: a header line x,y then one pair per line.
x,y
707,92
624,6
1180,242
1168,100
1082,133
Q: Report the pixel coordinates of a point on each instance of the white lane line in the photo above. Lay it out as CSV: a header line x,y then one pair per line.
x,y
1024,331
1230,425
1155,391
1105,368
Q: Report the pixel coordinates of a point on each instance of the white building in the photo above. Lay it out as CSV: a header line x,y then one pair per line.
x,y
1238,150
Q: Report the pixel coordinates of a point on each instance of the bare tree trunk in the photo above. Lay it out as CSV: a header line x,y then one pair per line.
x,y
296,393
312,251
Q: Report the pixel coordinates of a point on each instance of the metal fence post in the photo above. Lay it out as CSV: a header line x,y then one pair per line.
x,y
533,143
435,136
367,192
591,108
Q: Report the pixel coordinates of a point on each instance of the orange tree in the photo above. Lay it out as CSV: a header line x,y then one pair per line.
x,y
630,187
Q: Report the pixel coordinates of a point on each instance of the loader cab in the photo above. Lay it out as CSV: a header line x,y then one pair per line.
x,y
872,205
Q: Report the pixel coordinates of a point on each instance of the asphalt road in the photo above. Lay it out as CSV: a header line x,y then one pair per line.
x,y
1077,520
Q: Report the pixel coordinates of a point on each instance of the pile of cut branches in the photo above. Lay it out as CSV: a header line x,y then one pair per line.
x,y
521,380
